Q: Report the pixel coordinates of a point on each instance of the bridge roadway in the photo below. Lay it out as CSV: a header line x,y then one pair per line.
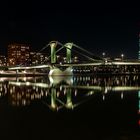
x,y
113,63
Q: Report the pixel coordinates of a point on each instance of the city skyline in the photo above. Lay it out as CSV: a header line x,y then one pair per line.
x,y
97,27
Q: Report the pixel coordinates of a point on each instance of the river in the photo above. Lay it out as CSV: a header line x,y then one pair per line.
x,y
70,107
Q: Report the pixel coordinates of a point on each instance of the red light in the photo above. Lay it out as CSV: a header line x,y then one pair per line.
x,y
139,122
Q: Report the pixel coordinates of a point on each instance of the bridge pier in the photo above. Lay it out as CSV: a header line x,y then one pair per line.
x,y
53,52
56,71
69,103
53,98
68,52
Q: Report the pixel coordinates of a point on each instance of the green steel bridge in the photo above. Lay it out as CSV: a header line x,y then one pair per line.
x,y
94,64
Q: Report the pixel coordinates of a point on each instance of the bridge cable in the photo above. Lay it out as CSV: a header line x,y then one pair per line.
x,y
43,48
82,54
64,46
86,51
57,51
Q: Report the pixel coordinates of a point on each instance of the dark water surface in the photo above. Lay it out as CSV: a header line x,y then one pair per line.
x,y
79,107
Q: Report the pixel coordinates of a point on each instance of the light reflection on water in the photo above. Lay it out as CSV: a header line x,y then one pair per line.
x,y
108,98
67,92
64,92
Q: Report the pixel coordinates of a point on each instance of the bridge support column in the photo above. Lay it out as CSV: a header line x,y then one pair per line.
x,y
53,98
69,103
53,51
17,73
68,52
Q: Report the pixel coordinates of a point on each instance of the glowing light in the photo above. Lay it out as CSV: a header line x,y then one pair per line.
x,y
53,44
91,93
24,79
103,97
125,88
27,83
58,93
69,105
106,90
50,78
24,71
46,94
60,88
53,105
139,94
65,91
122,95
139,122
122,55
75,93
1,71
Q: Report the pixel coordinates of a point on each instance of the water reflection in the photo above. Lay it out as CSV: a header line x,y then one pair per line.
x,y
106,106
64,92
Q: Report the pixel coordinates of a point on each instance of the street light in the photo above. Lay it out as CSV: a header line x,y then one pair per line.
x,y
103,54
122,56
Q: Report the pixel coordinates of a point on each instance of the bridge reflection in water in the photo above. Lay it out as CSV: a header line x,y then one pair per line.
x,y
69,92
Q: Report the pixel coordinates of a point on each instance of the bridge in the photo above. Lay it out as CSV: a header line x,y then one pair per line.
x,y
93,64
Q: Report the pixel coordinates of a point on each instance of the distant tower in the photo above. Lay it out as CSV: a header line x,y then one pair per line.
x,y
139,48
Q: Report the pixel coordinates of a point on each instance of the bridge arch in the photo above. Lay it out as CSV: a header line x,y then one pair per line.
x,y
68,46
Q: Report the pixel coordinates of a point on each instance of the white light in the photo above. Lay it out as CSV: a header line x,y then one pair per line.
x,y
103,53
27,83
122,95
1,71
24,71
103,97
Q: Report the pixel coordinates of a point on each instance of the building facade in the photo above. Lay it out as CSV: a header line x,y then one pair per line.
x,y
18,54
3,60
38,58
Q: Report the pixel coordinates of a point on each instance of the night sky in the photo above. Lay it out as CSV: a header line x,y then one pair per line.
x,y
110,27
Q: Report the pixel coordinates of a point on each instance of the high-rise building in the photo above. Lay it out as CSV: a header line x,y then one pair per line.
x,y
18,54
